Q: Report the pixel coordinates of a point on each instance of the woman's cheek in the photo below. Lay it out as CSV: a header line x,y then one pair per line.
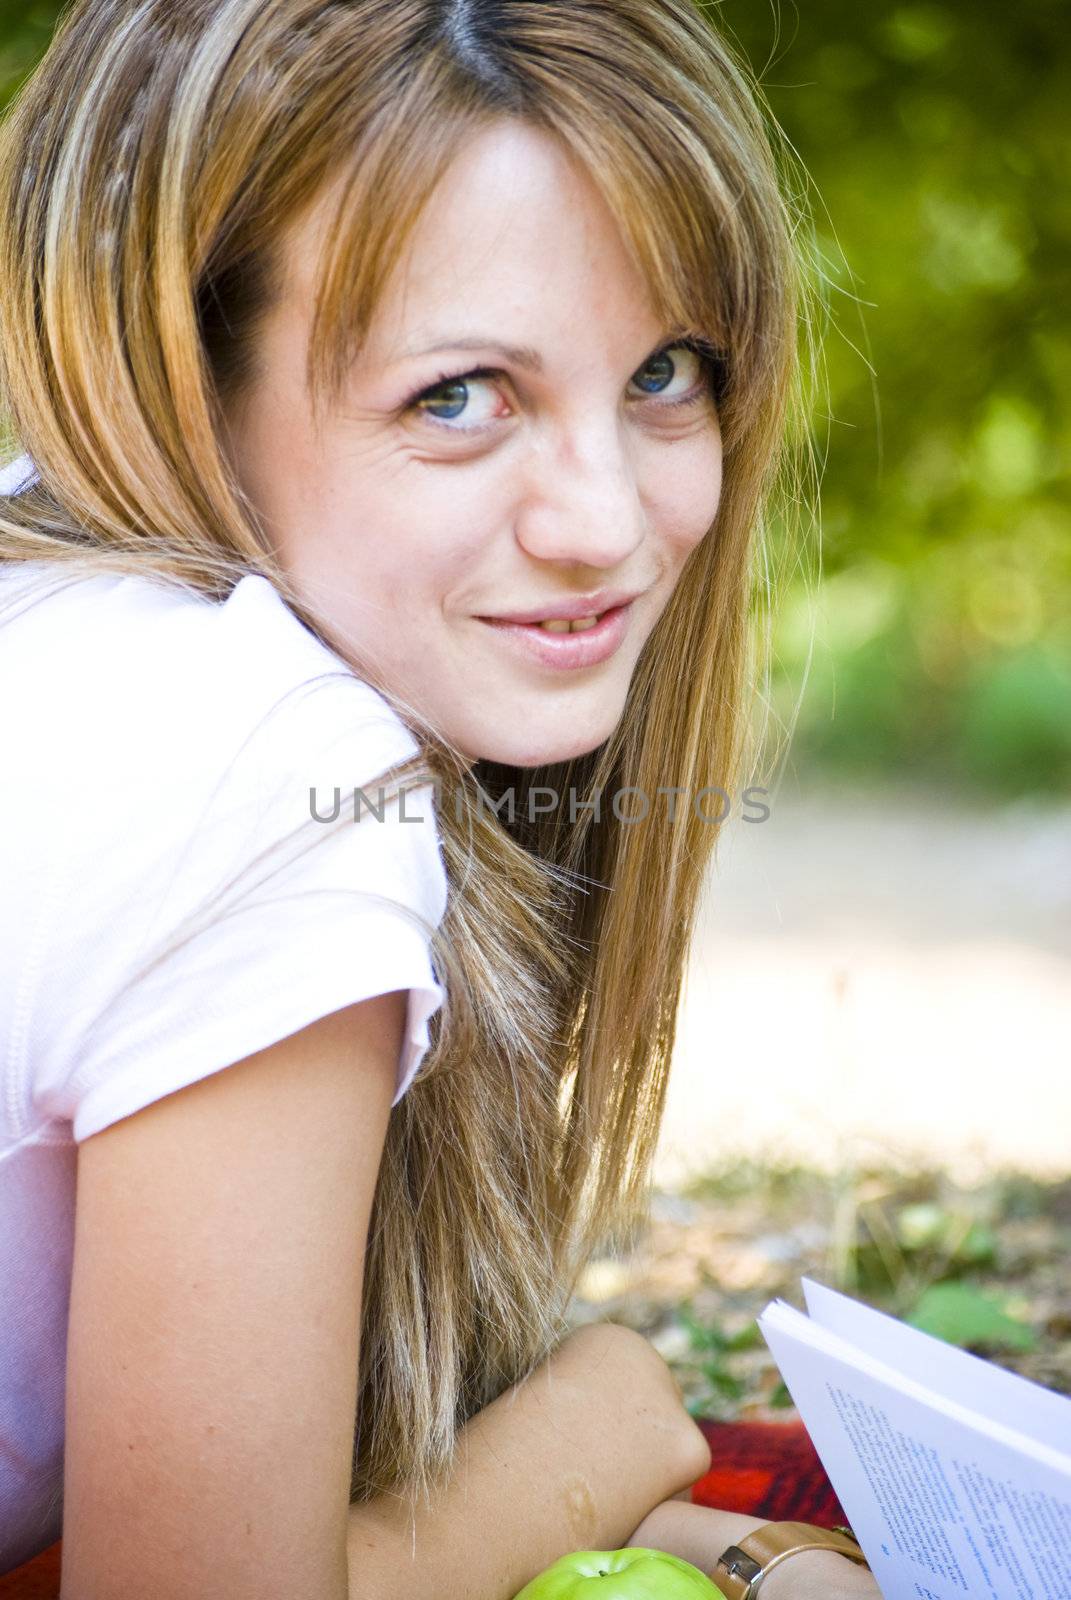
x,y
468,516
689,504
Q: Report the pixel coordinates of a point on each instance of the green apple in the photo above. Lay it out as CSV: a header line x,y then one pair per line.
x,y
630,1574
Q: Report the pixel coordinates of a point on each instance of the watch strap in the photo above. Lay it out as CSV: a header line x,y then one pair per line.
x,y
742,1567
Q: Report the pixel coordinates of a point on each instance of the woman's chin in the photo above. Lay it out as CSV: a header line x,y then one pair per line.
x,y
510,752
529,733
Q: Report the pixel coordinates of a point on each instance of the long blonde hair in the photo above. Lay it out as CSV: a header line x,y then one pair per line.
x,y
148,169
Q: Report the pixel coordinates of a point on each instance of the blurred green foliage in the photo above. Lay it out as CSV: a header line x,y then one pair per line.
x,y
937,140
964,1315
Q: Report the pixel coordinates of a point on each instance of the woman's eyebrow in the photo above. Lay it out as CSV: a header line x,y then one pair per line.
x,y
522,355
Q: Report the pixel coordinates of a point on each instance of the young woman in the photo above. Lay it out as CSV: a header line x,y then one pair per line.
x,y
344,342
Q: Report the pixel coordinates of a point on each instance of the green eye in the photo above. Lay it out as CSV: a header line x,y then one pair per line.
x,y
448,400
655,374
678,363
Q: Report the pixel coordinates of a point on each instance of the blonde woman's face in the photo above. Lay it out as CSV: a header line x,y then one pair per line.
x,y
519,432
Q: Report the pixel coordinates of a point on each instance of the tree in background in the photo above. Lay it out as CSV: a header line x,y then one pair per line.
x,y
937,139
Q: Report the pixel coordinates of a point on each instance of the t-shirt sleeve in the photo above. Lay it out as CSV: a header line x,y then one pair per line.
x,y
226,915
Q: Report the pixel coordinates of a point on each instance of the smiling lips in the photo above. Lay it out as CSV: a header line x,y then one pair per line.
x,y
564,645
576,608
561,625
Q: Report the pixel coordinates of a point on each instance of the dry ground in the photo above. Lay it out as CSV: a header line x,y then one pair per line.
x,y
872,1085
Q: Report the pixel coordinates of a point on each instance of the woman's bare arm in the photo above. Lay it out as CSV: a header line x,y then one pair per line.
x,y
213,1342
571,1459
213,1356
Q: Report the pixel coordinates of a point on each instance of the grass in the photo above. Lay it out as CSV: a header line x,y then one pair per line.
x,y
983,1267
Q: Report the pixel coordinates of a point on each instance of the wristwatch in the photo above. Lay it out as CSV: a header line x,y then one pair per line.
x,y
742,1568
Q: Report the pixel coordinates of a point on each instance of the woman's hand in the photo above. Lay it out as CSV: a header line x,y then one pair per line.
x,y
699,1534
819,1575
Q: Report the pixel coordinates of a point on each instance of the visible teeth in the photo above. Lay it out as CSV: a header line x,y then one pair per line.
x,y
561,625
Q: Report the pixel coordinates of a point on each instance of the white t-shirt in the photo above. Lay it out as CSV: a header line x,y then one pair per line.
x,y
153,744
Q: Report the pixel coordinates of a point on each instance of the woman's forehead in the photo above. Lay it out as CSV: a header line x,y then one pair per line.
x,y
515,236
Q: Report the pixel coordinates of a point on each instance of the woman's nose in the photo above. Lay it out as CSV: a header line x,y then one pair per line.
x,y
583,505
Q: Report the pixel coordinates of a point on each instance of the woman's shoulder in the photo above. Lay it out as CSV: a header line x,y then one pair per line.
x,y
154,725
160,845
108,663
101,645
106,651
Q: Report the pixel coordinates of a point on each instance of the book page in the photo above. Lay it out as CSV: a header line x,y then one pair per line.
x,y
943,1504
954,1374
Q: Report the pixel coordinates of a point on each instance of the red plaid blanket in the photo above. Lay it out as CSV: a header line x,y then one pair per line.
x,y
769,1470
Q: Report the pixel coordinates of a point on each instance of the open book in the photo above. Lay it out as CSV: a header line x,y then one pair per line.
x,y
955,1475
